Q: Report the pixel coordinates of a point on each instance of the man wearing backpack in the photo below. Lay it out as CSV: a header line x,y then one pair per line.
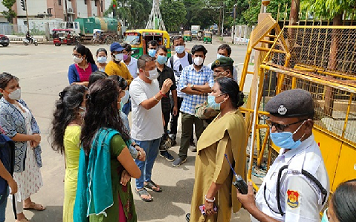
x,y
178,62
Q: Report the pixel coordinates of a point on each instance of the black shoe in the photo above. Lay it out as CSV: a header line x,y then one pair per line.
x,y
166,155
179,161
192,143
187,217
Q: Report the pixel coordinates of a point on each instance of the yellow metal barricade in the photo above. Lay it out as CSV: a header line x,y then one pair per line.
x,y
321,60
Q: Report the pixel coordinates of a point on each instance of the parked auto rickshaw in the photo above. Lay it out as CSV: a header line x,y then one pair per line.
x,y
187,36
208,37
139,38
64,36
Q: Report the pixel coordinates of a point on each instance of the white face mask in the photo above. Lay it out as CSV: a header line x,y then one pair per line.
x,y
152,74
219,56
15,95
119,57
198,61
77,60
102,59
125,98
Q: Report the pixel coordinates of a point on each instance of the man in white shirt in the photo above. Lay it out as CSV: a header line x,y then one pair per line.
x,y
178,62
131,64
147,123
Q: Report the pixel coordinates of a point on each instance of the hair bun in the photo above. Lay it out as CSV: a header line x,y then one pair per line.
x,y
241,97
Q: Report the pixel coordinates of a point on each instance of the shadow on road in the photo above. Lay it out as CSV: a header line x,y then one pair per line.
x,y
52,213
167,202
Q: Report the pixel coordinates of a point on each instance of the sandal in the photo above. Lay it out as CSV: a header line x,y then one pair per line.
x,y
152,186
34,206
142,192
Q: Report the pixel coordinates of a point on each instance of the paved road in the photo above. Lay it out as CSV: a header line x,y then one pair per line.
x,y
43,74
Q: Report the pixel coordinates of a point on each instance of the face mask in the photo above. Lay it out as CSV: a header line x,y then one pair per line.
x,y
125,57
212,103
125,98
179,49
77,60
15,95
102,59
325,217
220,56
198,61
152,74
152,52
161,59
285,139
119,57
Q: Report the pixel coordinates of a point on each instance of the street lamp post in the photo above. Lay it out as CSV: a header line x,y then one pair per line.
x,y
234,26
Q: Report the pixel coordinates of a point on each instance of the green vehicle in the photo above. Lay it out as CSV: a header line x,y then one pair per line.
x,y
187,36
208,37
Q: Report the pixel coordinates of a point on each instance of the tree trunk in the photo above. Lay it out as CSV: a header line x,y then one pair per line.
x,y
332,65
220,19
293,20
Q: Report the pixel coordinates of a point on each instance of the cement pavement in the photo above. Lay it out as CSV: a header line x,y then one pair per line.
x,y
43,74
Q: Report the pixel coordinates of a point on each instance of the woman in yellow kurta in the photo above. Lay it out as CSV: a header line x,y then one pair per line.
x,y
226,134
67,121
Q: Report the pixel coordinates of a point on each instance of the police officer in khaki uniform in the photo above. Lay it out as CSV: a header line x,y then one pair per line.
x,y
296,186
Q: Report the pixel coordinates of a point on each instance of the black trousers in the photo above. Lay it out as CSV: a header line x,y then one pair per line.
x,y
174,119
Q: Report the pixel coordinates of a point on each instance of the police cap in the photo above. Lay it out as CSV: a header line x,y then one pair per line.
x,y
223,61
291,103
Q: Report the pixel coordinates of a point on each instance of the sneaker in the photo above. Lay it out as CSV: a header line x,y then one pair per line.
x,y
179,161
166,155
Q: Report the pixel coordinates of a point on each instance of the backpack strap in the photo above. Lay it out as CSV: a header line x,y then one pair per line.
x,y
171,61
190,59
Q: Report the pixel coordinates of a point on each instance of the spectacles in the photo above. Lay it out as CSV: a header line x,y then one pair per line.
x,y
281,127
76,55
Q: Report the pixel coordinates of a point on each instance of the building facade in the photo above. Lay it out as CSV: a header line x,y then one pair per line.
x,y
67,10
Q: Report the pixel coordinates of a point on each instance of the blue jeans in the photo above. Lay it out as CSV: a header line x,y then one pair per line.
x,y
151,149
127,107
3,207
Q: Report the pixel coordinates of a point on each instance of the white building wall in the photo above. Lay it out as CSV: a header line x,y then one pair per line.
x,y
34,7
94,9
82,11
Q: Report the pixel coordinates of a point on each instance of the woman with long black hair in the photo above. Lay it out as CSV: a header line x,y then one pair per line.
x,y
83,66
103,157
65,133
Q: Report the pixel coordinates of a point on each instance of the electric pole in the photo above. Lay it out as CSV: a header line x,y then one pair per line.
x,y
28,24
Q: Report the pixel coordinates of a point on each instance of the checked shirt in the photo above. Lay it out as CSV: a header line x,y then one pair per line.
x,y
192,77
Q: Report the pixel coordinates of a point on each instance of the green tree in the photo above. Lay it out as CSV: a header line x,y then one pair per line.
x,y
329,9
10,14
251,14
135,13
173,14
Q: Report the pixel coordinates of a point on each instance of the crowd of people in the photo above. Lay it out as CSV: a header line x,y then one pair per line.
x,y
102,152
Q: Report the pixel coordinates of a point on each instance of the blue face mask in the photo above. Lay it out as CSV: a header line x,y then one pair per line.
x,y
285,139
102,59
220,56
325,217
161,59
212,103
179,49
152,52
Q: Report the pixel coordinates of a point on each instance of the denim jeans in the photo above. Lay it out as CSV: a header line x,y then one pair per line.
x,y
3,207
127,107
151,149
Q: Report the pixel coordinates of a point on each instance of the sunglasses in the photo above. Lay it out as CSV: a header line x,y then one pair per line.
x,y
281,127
